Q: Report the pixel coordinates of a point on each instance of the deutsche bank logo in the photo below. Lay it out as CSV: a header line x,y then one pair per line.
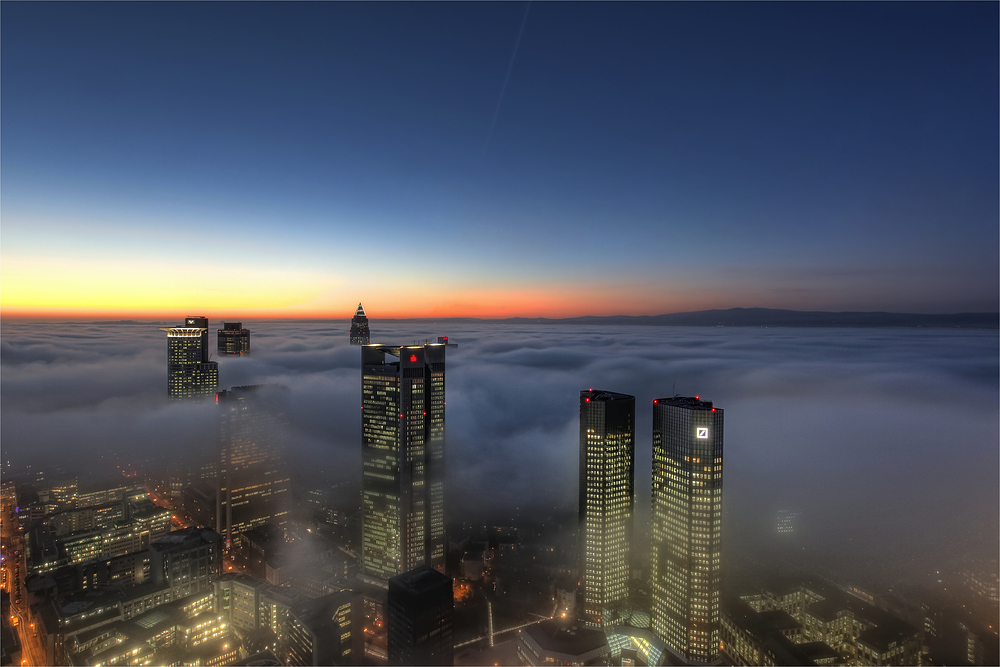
x,y
702,434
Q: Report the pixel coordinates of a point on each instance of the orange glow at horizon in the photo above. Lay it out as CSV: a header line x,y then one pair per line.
x,y
486,304
46,288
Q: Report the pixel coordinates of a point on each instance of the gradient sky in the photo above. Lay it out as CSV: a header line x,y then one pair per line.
x,y
289,159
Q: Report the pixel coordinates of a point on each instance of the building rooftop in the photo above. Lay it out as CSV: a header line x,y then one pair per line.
x,y
604,396
186,537
779,619
689,402
568,639
421,580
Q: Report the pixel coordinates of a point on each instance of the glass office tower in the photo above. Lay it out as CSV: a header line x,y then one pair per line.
x,y
233,339
607,465
403,459
685,548
253,482
189,371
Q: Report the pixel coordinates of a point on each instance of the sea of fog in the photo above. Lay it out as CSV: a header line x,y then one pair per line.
x,y
884,440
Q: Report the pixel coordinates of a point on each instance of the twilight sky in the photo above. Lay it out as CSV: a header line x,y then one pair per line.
x,y
281,160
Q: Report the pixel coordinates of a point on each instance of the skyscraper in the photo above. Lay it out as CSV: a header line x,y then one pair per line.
x,y
253,484
403,453
687,525
607,464
359,327
189,372
233,338
420,618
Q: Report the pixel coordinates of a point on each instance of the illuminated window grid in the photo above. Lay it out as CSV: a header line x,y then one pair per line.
x,y
403,455
687,509
606,501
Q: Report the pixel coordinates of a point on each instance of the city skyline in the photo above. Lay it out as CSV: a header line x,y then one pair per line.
x,y
515,376
786,210
807,156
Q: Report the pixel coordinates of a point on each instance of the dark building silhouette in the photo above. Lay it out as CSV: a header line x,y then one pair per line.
x,y
322,631
233,338
359,328
607,464
402,444
419,618
558,642
253,484
687,526
189,371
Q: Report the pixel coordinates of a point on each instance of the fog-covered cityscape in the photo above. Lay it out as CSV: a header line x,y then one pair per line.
x,y
842,492
499,333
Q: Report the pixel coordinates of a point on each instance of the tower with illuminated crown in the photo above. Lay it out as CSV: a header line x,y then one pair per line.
x,y
189,371
685,549
607,464
402,441
359,327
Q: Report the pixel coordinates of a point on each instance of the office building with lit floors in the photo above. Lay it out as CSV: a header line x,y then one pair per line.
x,y
607,466
420,614
402,424
685,548
190,373
233,339
359,327
253,482
321,631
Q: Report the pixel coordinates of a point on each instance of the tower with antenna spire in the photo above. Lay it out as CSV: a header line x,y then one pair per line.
x,y
359,327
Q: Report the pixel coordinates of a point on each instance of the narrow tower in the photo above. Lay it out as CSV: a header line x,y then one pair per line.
x,y
189,371
359,327
607,464
687,525
402,443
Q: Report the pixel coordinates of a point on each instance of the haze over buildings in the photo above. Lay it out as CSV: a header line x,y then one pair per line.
x,y
258,161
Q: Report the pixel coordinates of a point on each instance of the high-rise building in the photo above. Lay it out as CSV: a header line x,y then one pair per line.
x,y
322,631
607,464
687,525
189,371
359,327
402,444
421,607
233,338
253,484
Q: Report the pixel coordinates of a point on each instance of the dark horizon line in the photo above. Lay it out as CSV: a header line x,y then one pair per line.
x,y
733,317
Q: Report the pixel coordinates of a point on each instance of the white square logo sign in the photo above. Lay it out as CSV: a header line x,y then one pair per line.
x,y
702,434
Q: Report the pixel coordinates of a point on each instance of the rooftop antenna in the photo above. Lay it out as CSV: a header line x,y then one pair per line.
x,y
674,390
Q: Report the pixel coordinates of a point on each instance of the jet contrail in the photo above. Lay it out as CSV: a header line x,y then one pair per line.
x,y
503,89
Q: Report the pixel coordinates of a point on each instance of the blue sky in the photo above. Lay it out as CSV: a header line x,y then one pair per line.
x,y
669,156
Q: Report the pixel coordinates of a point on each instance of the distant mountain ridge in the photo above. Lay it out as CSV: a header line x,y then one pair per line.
x,y
769,317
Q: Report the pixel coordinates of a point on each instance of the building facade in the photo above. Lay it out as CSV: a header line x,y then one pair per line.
x,y
359,327
685,547
253,483
321,631
233,338
420,617
403,459
190,373
607,466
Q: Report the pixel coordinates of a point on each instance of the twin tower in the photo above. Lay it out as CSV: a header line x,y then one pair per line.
x,y
686,516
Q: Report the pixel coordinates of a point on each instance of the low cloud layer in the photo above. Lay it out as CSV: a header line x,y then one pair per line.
x,y
885,440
